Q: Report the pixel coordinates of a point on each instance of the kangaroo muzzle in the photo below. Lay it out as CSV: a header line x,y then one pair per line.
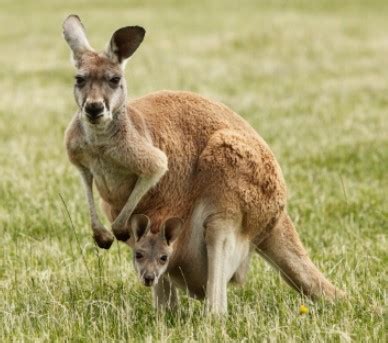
x,y
94,110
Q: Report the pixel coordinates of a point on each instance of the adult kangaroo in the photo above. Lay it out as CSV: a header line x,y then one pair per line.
x,y
177,154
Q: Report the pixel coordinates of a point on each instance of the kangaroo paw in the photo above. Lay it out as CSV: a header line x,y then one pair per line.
x,y
103,238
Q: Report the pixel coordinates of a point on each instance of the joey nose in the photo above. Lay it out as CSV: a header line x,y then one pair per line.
x,y
94,109
149,279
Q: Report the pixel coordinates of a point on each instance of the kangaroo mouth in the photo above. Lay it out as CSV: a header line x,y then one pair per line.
x,y
94,120
148,283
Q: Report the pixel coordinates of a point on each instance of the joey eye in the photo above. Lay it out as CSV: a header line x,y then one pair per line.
x,y
114,81
80,81
163,258
138,255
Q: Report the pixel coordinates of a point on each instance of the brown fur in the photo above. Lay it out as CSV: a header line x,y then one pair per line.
x,y
214,158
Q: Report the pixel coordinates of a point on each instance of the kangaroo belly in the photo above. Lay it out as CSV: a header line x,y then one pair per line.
x,y
190,270
194,285
190,273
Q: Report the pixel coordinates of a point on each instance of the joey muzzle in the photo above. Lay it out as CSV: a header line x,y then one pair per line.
x,y
149,279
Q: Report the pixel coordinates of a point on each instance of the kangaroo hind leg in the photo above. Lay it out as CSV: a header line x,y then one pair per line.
x,y
216,294
284,250
227,254
240,275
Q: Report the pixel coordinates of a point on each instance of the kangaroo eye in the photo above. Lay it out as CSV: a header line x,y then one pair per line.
x,y
139,255
163,258
80,80
114,80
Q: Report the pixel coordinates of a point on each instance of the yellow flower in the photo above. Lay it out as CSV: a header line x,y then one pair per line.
x,y
303,309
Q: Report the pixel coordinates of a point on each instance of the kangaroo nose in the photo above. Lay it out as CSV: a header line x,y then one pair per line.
x,y
149,279
94,109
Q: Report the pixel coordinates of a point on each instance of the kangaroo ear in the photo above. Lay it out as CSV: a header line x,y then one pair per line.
x,y
171,229
124,43
140,225
75,36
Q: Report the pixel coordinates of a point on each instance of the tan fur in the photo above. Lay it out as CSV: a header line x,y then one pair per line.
x,y
216,162
238,181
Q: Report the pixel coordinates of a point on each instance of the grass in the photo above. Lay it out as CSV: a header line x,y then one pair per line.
x,y
311,77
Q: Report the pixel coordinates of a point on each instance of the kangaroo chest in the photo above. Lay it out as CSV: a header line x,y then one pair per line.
x,y
114,182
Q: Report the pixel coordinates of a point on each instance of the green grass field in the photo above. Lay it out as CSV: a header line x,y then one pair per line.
x,y
310,76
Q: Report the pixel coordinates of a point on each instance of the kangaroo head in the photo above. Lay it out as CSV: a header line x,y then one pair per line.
x,y
152,250
100,87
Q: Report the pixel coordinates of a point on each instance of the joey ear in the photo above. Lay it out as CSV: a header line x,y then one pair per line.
x,y
75,36
124,43
140,225
171,229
